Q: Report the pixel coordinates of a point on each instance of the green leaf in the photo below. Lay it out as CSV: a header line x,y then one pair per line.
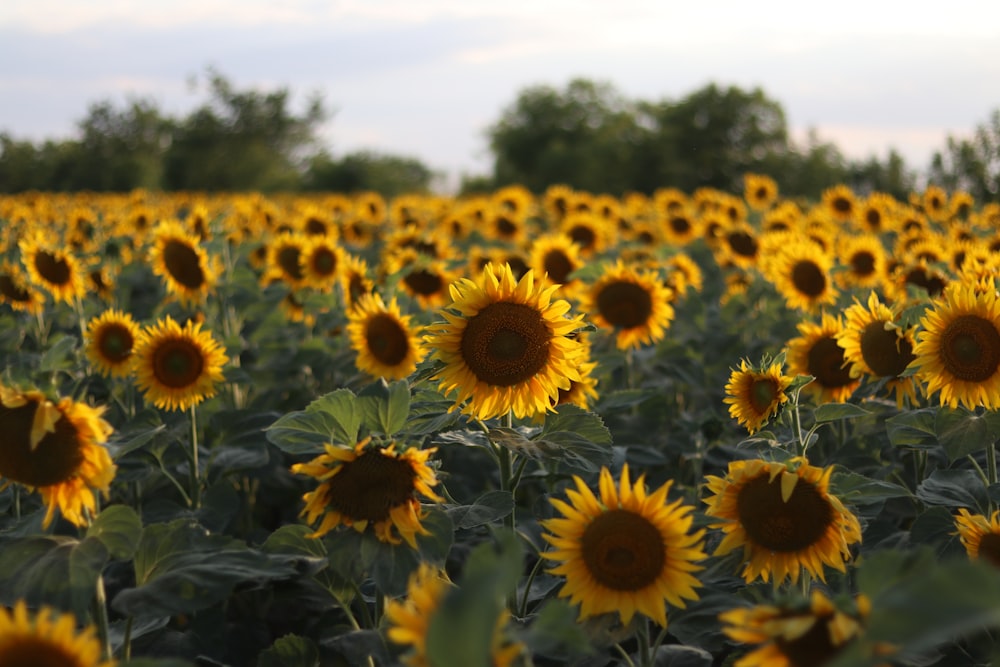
x,y
385,407
290,651
136,434
118,528
57,571
936,527
829,412
961,432
584,424
392,564
333,418
555,631
852,488
914,428
430,413
487,508
60,355
954,488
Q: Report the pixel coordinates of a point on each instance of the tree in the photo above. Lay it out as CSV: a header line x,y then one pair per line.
x,y
971,164
389,175
121,150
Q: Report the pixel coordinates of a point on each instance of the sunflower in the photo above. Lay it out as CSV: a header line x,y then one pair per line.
x,y
385,341
754,396
555,257
506,345
591,233
409,620
177,257
864,260
783,516
759,191
355,280
17,293
636,305
284,260
56,448
801,274
795,635
505,226
515,200
370,207
980,536
627,552
57,271
47,639
840,203
177,368
583,392
683,274
109,341
816,352
425,280
958,351
874,344
738,245
681,227
935,203
557,202
370,484
321,262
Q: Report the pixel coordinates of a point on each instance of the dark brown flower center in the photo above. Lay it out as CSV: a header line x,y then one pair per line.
x,y
623,551
12,290
386,339
183,264
177,363
989,548
885,352
625,304
934,284
288,260
680,225
742,244
862,263
115,341
842,205
970,348
763,395
506,343
367,488
323,262
424,282
33,651
55,458
583,236
558,266
505,227
774,524
53,268
811,649
825,362
808,278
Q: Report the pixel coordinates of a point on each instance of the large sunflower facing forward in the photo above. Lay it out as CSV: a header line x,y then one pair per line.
x,y
386,342
816,352
801,273
56,449
636,305
756,395
47,639
783,516
958,352
178,258
980,535
506,345
370,484
109,342
628,552
178,367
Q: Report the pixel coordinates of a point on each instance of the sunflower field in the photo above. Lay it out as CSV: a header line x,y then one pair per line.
x,y
688,429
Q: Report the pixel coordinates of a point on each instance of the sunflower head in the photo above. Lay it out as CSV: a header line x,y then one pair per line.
x,y
635,305
54,269
178,258
384,339
980,535
46,638
818,353
109,341
759,191
755,395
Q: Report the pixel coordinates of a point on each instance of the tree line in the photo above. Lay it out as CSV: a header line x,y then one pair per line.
x,y
586,135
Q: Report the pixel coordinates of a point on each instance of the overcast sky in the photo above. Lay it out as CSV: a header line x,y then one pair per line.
x,y
425,78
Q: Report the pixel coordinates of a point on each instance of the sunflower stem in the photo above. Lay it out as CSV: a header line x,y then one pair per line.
x,y
195,498
523,609
127,642
101,617
991,468
17,502
625,655
797,423
642,636
78,307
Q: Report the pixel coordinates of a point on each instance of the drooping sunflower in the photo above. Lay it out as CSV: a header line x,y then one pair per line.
x,y
784,518
634,304
816,352
385,340
796,635
177,257
506,345
56,449
958,351
755,395
980,535
759,191
53,269
47,639
177,367
874,344
410,619
109,341
801,274
370,484
627,552
16,292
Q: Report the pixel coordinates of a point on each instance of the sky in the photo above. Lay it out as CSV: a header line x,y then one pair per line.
x,y
426,78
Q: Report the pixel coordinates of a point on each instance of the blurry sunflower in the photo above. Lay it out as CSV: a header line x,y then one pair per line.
x,y
47,639
864,260
55,270
582,392
877,214
100,281
759,191
357,232
284,260
783,516
667,201
980,536
506,345
321,262
385,341
295,310
370,484
17,293
516,200
56,449
961,205
409,620
795,635
958,351
635,304
683,273
935,203
755,395
904,277
505,226
177,368
816,352
109,341
840,202
554,257
681,227
801,274
589,232
355,280
874,344
177,257
425,280
627,552
370,207
739,246
557,202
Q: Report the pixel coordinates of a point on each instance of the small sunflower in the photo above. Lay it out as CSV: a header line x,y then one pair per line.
x,y
754,396
57,271
864,259
16,292
583,392
506,345
679,228
801,274
634,304
355,279
178,258
555,257
683,274
370,484
47,639
628,552
385,341
109,341
57,449
795,635
816,352
177,368
840,203
321,261
980,535
958,351
759,191
783,516
284,260
739,246
591,233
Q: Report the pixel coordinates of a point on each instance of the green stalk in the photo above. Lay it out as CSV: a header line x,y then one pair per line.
x,y
195,474
991,467
101,617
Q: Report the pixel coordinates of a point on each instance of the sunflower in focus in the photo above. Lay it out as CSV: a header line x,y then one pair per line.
x,y
795,635
755,395
980,535
759,191
506,345
47,639
801,274
816,352
177,367
627,552
634,304
409,620
55,270
109,341
56,449
385,341
178,258
370,484
958,351
783,517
